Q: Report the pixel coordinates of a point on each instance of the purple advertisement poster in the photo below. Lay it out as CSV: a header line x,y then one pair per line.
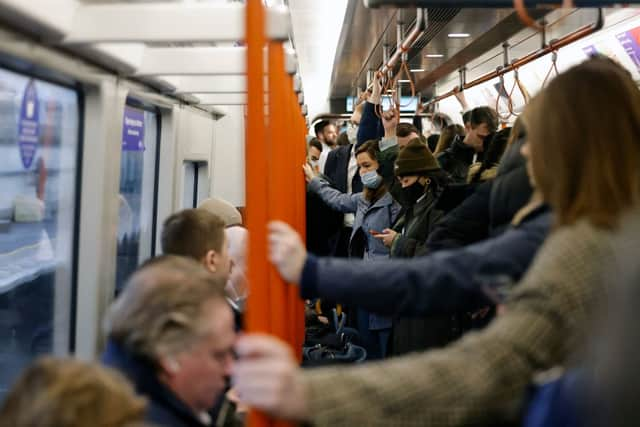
x,y
630,41
590,50
133,130
28,125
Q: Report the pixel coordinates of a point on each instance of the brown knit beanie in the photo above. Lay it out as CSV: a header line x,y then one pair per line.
x,y
415,159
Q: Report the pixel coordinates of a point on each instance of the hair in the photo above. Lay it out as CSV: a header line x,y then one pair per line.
x,y
192,233
343,139
371,148
485,115
70,393
318,128
447,136
489,166
466,117
583,131
440,121
405,129
159,313
315,143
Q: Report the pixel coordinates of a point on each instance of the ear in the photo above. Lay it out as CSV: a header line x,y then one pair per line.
x,y
170,365
210,261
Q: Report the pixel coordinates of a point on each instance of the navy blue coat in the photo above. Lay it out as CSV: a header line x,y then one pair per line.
x,y
443,282
370,125
164,408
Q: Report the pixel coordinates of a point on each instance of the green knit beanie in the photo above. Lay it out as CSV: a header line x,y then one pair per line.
x,y
415,159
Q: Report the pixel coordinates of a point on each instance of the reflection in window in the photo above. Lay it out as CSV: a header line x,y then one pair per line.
x,y
38,170
137,190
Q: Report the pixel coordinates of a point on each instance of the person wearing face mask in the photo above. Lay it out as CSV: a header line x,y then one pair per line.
x,y
422,182
313,154
375,210
469,149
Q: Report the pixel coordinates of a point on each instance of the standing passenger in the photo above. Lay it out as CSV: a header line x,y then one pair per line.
x,y
483,378
465,151
375,210
422,183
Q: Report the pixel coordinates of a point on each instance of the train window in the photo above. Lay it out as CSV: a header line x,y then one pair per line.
x,y
196,184
138,190
39,168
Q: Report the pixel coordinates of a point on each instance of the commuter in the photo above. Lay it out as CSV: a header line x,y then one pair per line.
x,y
422,183
228,213
198,234
439,122
488,168
447,136
406,132
374,211
171,334
482,379
491,207
70,393
341,170
328,135
343,139
313,154
464,151
237,286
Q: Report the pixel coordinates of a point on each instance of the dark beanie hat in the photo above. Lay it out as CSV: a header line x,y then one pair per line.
x,y
415,159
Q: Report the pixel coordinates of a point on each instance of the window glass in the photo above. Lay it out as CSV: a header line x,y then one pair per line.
x,y
137,190
38,173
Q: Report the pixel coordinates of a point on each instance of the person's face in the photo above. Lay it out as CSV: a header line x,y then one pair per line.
x,y
314,154
404,140
201,371
330,134
525,150
407,181
366,163
475,138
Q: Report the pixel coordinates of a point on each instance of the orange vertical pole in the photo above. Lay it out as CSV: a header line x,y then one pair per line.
x,y
258,307
279,187
298,157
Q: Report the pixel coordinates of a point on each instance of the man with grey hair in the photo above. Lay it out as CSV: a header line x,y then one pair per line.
x,y
171,333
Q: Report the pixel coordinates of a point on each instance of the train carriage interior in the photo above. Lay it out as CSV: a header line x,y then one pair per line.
x,y
419,212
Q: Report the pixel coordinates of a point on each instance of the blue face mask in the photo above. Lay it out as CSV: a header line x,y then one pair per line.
x,y
371,180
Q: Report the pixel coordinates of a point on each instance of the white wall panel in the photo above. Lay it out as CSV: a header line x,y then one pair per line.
x,y
227,164
194,141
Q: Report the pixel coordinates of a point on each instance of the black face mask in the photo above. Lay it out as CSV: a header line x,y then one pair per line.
x,y
412,193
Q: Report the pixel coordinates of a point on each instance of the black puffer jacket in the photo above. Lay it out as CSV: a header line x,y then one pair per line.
x,y
489,209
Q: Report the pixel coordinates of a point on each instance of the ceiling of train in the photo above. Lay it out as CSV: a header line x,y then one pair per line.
x,y
437,54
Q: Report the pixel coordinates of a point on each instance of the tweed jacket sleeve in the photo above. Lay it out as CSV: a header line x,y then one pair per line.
x,y
481,379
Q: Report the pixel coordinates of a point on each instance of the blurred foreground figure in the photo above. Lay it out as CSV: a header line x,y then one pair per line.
x,y
70,393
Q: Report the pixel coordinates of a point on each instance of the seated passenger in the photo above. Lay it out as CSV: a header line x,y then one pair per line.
x,y
70,393
482,379
171,334
465,151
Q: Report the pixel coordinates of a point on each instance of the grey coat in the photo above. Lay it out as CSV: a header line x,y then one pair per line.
x,y
377,216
